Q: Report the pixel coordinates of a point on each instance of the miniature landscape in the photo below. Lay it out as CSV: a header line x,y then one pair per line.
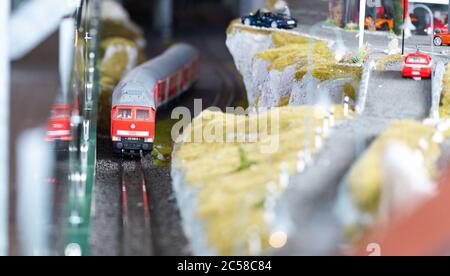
x,y
298,75
311,100
224,128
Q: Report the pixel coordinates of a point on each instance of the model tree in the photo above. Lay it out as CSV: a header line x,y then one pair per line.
x,y
398,16
336,9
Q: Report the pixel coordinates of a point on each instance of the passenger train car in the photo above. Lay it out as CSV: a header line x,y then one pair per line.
x,y
144,89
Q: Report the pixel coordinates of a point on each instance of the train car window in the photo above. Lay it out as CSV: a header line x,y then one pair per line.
x,y
142,114
124,113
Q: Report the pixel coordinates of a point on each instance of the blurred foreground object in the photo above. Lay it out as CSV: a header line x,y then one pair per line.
x,y
425,232
4,130
117,23
248,6
66,52
34,21
34,163
406,182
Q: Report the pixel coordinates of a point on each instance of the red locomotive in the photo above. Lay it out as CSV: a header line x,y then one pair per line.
x,y
143,90
58,128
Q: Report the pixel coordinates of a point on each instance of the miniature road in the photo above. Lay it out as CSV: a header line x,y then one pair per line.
x,y
120,225
390,98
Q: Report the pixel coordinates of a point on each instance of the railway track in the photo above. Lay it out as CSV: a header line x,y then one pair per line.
x,y
229,85
135,209
135,216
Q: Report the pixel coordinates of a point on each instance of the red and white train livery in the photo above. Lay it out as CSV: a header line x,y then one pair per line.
x,y
144,89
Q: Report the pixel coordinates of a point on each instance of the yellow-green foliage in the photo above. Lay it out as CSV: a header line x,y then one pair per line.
x,y
350,89
271,3
232,177
308,56
112,28
281,39
366,176
233,24
80,58
284,101
386,60
114,66
331,71
104,111
445,101
297,54
162,152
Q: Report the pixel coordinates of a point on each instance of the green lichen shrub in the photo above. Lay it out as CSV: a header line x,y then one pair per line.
x,y
398,16
281,39
350,89
445,100
359,57
163,145
112,28
384,62
297,54
104,112
336,9
308,55
330,23
351,27
118,56
331,71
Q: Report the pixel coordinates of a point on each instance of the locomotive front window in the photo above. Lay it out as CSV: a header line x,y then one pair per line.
x,y
59,113
142,114
124,114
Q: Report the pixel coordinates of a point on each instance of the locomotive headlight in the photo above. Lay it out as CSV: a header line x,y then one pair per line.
x,y
116,139
149,140
133,126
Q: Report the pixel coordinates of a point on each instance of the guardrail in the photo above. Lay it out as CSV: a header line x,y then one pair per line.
x,y
437,87
369,67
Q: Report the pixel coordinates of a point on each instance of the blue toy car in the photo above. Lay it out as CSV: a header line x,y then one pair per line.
x,y
270,20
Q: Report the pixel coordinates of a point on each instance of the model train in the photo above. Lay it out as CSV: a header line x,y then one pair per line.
x,y
59,130
144,89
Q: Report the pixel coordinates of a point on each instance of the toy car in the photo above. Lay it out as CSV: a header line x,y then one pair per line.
x,y
417,65
439,27
270,20
441,37
381,24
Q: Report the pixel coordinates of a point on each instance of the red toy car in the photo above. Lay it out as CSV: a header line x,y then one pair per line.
x,y
441,37
417,65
